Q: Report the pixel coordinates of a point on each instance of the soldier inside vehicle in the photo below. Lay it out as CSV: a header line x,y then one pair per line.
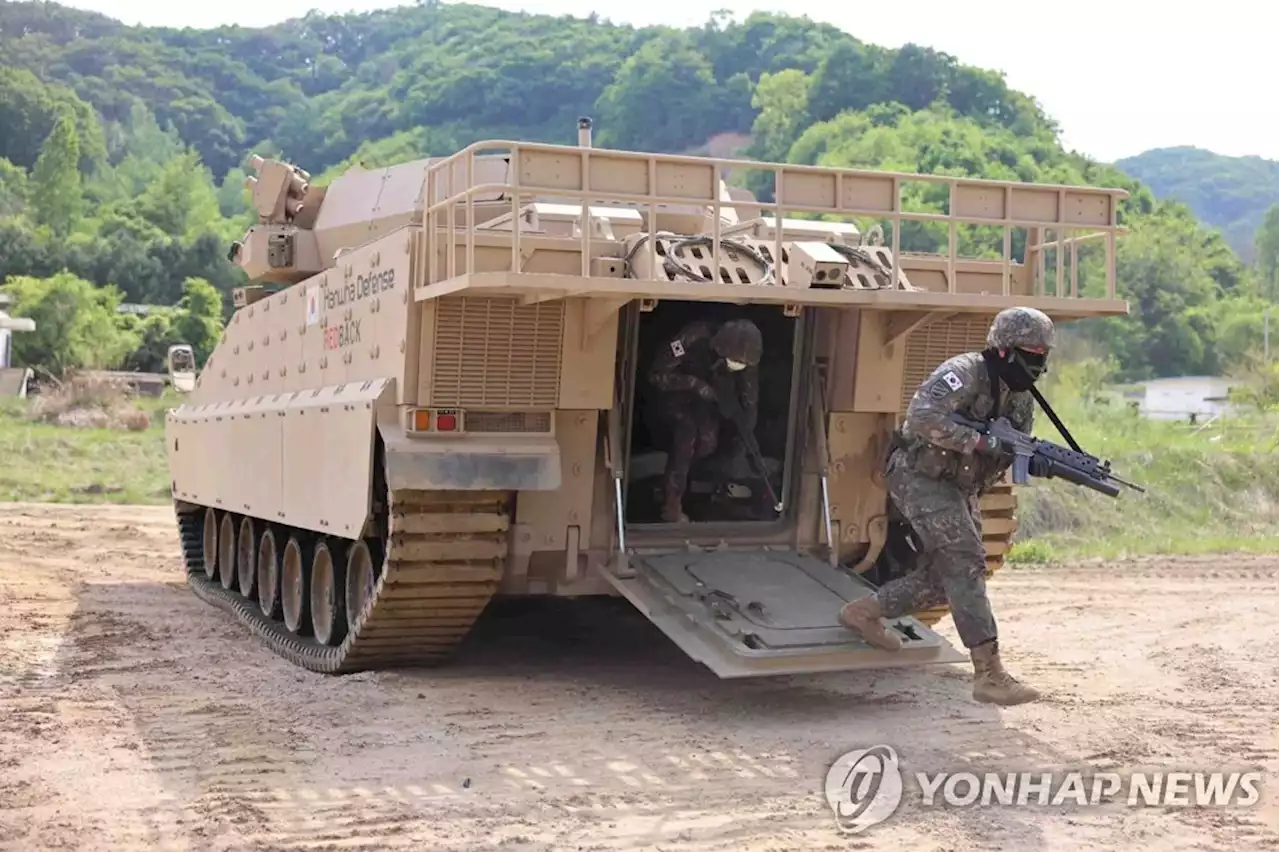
x,y
701,370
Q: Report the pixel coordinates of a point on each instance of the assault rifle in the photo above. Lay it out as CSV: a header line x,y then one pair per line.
x,y
731,409
1056,461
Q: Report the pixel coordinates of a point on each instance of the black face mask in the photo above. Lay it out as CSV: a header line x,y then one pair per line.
x,y
1020,369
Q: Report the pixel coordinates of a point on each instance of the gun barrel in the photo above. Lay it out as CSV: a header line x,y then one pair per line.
x,y
1071,474
1127,484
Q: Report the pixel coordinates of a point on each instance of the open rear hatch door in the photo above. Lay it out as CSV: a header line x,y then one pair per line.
x,y
745,613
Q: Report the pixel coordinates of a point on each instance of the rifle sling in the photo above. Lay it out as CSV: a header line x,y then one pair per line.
x,y
1062,429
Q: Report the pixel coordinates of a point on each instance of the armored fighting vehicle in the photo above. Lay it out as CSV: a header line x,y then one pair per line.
x,y
432,393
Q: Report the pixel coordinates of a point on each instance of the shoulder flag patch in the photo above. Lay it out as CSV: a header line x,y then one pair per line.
x,y
949,383
677,348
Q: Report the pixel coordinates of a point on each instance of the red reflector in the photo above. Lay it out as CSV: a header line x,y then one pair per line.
x,y
446,422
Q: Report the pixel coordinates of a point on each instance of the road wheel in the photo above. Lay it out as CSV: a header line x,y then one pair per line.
x,y
362,580
227,552
269,574
210,544
294,586
247,558
328,593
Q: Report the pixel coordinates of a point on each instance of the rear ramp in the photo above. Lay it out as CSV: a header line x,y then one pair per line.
x,y
748,613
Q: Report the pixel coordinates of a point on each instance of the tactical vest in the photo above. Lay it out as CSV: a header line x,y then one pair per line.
x,y
967,472
700,360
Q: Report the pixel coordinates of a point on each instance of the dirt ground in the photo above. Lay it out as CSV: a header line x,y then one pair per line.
x,y
134,716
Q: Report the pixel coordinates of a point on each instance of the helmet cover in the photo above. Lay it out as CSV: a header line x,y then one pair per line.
x,y
1021,328
739,341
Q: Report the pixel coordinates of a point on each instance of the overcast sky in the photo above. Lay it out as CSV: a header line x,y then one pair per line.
x,y
1119,76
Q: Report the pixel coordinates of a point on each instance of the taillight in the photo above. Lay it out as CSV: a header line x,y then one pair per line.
x,y
432,420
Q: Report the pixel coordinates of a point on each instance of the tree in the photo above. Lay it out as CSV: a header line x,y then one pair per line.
x,y
180,200
30,107
660,99
76,324
1259,379
198,319
1267,242
919,76
1172,297
848,78
56,193
782,100
140,149
13,189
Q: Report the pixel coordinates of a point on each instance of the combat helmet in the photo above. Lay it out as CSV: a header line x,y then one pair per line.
x,y
1021,328
739,343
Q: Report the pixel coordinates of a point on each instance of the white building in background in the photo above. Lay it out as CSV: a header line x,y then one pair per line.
x,y
8,325
1182,397
13,380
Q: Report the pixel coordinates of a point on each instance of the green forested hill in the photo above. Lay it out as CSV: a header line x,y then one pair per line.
x,y
120,147
1231,193
441,76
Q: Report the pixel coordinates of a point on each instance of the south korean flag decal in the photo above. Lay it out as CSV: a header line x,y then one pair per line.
x,y
677,348
948,383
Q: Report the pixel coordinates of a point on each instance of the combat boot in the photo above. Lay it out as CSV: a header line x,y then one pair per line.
x,y
992,684
673,511
863,617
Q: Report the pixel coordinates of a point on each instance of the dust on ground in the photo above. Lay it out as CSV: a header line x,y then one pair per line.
x,y
134,716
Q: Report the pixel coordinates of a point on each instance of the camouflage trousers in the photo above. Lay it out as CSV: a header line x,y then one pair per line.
x,y
952,565
689,428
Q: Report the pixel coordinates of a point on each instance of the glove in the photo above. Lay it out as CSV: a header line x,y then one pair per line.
x,y
988,445
707,392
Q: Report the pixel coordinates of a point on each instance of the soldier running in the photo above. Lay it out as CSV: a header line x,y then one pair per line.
x,y
686,412
935,475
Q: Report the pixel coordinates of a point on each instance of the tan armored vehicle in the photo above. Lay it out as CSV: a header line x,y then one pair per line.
x,y
433,394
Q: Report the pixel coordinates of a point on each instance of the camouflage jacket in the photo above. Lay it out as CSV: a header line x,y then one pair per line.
x,y
686,362
939,448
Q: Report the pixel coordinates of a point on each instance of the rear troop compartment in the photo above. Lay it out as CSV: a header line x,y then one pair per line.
x,y
650,331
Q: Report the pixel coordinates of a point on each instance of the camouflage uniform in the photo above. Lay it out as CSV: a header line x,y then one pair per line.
x,y
686,416
935,476
935,481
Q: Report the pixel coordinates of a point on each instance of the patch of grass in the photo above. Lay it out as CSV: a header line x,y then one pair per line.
x,y
1210,489
1034,551
116,456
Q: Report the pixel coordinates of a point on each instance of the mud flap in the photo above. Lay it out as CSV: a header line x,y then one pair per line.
x,y
745,613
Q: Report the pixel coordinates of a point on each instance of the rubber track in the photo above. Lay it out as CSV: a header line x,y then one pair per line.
x,y
444,560
999,509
